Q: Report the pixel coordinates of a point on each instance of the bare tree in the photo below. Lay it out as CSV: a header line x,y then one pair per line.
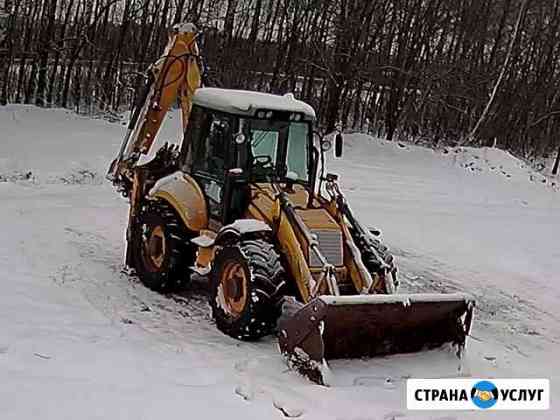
x,y
503,70
426,71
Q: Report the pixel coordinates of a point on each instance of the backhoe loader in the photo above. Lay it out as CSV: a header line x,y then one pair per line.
x,y
244,201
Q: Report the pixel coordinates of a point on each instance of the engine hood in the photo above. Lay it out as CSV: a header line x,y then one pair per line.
x,y
317,220
263,207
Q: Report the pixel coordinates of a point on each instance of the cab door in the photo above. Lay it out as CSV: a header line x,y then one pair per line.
x,y
211,158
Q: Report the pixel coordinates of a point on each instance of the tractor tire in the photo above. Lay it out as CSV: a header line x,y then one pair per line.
x,y
162,252
247,282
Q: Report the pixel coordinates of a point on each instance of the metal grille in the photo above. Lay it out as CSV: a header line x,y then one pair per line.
x,y
330,245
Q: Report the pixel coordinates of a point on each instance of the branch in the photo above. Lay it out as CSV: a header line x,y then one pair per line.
x,y
502,73
544,118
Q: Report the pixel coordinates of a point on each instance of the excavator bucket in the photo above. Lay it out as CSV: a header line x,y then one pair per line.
x,y
345,327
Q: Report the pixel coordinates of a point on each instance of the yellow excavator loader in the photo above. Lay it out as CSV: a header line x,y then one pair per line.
x,y
244,201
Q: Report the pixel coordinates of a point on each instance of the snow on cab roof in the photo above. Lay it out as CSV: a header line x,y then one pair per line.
x,y
246,102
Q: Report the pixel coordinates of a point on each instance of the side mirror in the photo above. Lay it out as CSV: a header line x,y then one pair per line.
x,y
338,143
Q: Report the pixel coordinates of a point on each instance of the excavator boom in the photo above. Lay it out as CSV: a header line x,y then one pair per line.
x,y
175,75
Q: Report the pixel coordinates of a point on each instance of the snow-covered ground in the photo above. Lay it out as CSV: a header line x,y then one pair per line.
x,y
78,339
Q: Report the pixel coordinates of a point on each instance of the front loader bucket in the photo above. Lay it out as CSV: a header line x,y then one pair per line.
x,y
340,327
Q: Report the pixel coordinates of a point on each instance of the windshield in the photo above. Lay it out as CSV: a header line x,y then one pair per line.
x,y
278,148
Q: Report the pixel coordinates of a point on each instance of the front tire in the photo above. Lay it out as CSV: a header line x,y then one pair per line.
x,y
162,253
247,283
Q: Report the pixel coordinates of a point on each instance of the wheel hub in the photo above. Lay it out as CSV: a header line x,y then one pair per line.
x,y
154,245
234,286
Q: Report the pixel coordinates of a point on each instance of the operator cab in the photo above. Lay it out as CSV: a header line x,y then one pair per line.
x,y
244,137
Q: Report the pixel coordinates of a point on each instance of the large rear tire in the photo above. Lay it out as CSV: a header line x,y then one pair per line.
x,y
247,284
162,252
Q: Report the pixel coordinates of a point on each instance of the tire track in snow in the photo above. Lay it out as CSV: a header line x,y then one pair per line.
x,y
181,320
498,312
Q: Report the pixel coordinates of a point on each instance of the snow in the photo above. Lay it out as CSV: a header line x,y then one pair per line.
x,y
242,102
80,339
203,241
405,298
499,163
160,183
185,27
244,226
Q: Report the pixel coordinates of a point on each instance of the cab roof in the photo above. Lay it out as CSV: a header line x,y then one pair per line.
x,y
245,102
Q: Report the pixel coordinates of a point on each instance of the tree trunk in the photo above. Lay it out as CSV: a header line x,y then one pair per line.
x,y
46,36
480,121
556,162
229,20
255,23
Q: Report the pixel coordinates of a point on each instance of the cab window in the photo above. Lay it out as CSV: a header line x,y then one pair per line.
x,y
211,145
209,137
297,149
264,143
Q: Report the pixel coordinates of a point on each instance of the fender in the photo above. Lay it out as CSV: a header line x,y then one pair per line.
x,y
183,193
241,228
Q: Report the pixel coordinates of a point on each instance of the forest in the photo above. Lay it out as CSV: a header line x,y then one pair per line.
x,y
459,72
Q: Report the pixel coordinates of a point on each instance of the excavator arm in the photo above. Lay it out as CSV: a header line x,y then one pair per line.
x,y
175,75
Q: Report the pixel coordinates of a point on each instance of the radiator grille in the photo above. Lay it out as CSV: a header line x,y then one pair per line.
x,y
330,245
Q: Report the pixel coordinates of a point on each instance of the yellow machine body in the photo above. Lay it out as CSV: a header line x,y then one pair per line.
x,y
343,278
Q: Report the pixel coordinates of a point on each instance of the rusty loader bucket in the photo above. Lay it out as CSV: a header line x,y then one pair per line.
x,y
344,327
